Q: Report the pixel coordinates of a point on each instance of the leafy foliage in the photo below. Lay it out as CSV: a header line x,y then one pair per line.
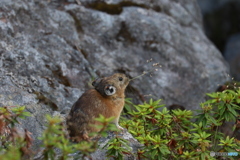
x,y
164,134
117,147
13,145
55,137
55,142
178,134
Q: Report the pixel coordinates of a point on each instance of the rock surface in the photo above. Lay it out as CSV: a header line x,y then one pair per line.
x,y
51,50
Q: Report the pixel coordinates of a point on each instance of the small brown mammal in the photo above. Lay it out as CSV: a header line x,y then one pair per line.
x,y
107,98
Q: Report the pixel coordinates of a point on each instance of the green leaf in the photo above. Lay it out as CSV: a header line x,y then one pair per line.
x,y
232,110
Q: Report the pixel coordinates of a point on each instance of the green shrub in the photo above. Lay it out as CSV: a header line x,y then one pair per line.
x,y
55,138
13,145
178,134
55,141
164,134
117,147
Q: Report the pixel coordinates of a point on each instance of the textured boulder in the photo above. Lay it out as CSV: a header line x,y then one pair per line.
x,y
51,50
191,66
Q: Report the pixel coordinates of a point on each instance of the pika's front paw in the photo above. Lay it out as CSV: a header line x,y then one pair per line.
x,y
120,128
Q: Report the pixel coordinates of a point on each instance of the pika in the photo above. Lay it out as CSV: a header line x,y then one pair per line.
x,y
107,98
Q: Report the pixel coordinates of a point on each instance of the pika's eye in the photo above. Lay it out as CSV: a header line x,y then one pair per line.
x,y
120,78
110,90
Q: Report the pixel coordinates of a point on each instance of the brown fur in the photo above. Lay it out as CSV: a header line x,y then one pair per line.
x,y
95,102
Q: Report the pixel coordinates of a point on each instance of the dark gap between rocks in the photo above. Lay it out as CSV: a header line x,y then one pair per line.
x,y
116,9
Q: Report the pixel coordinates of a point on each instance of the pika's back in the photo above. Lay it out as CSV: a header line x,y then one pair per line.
x,y
107,98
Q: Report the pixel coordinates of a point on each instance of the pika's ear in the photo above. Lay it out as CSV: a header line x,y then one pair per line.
x,y
109,90
96,82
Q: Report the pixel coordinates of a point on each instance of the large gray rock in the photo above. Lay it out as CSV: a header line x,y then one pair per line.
x,y
190,64
51,50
